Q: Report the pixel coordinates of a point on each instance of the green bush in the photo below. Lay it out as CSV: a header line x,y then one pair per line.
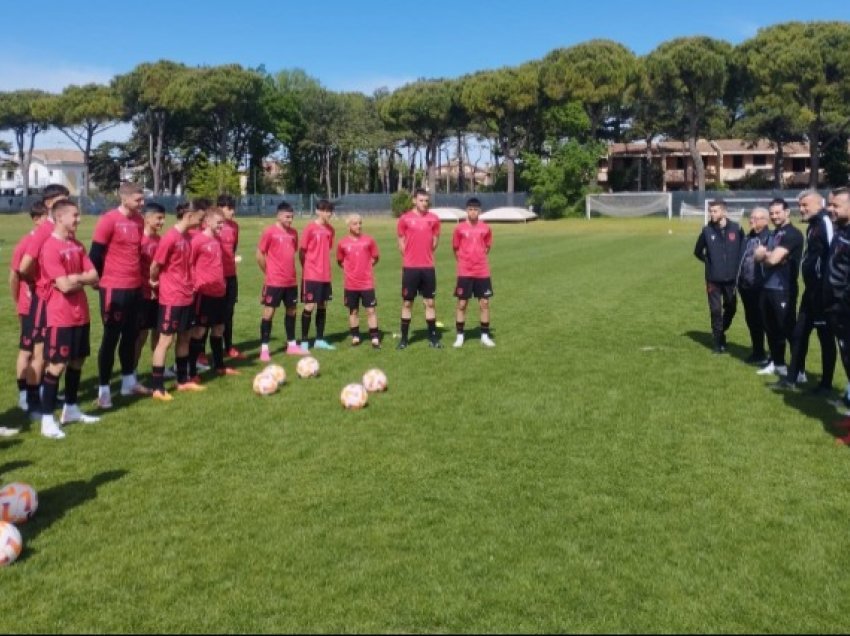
x,y
401,202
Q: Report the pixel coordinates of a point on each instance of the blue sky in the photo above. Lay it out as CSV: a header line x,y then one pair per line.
x,y
354,45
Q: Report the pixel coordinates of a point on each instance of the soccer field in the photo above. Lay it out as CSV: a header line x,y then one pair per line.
x,y
599,470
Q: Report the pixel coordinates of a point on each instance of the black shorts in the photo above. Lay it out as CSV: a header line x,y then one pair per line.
x,y
467,287
421,280
119,306
313,291
63,344
273,296
38,319
209,310
25,342
353,297
232,293
173,319
148,313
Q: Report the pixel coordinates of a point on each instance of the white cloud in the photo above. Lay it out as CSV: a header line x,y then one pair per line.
x,y
52,77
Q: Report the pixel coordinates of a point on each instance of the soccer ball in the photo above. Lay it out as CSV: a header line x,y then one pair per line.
x,y
354,396
11,543
277,372
375,380
18,502
265,384
307,367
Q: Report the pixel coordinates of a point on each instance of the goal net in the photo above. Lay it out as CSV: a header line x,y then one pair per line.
x,y
629,204
737,208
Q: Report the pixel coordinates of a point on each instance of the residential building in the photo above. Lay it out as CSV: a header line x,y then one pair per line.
x,y
52,165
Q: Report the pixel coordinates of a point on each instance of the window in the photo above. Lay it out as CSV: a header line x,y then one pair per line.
x,y
680,163
10,175
50,173
759,160
738,161
799,164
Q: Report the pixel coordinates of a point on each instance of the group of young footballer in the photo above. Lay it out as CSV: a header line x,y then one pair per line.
x,y
179,287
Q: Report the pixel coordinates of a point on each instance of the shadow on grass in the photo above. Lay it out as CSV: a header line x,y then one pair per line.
x,y
707,340
822,408
10,466
54,503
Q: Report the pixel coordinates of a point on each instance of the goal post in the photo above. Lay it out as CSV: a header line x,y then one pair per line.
x,y
629,204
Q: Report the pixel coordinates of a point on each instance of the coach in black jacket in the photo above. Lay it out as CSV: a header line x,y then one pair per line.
x,y
720,246
837,281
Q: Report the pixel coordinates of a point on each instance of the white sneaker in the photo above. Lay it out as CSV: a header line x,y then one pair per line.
x,y
202,367
72,413
22,401
781,371
104,401
458,341
768,369
5,431
50,429
487,341
802,378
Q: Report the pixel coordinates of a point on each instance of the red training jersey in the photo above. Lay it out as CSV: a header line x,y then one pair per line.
x,y
316,242
122,237
174,256
229,238
279,246
61,257
208,265
471,244
149,245
418,231
356,256
43,285
25,290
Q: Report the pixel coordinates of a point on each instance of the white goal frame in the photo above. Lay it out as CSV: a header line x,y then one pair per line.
x,y
616,195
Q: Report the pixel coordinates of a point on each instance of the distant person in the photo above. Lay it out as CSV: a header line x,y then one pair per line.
x,y
720,246
418,235
357,254
780,259
317,239
229,238
116,253
750,283
276,252
811,316
171,276
471,242
65,263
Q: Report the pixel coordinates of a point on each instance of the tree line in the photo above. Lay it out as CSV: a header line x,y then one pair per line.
x,y
545,122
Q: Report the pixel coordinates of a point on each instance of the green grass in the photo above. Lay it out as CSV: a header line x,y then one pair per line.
x,y
599,470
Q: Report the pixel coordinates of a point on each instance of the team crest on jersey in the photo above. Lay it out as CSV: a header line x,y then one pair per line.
x,y
731,236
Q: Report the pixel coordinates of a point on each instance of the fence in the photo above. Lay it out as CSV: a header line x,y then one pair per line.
x,y
695,201
303,204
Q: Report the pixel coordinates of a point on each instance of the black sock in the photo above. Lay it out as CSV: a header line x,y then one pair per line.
x,y
72,385
374,334
22,384
321,315
196,347
182,369
265,331
289,325
217,346
127,347
355,332
306,317
106,354
33,399
405,328
50,385
158,378
432,329
485,328
459,327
